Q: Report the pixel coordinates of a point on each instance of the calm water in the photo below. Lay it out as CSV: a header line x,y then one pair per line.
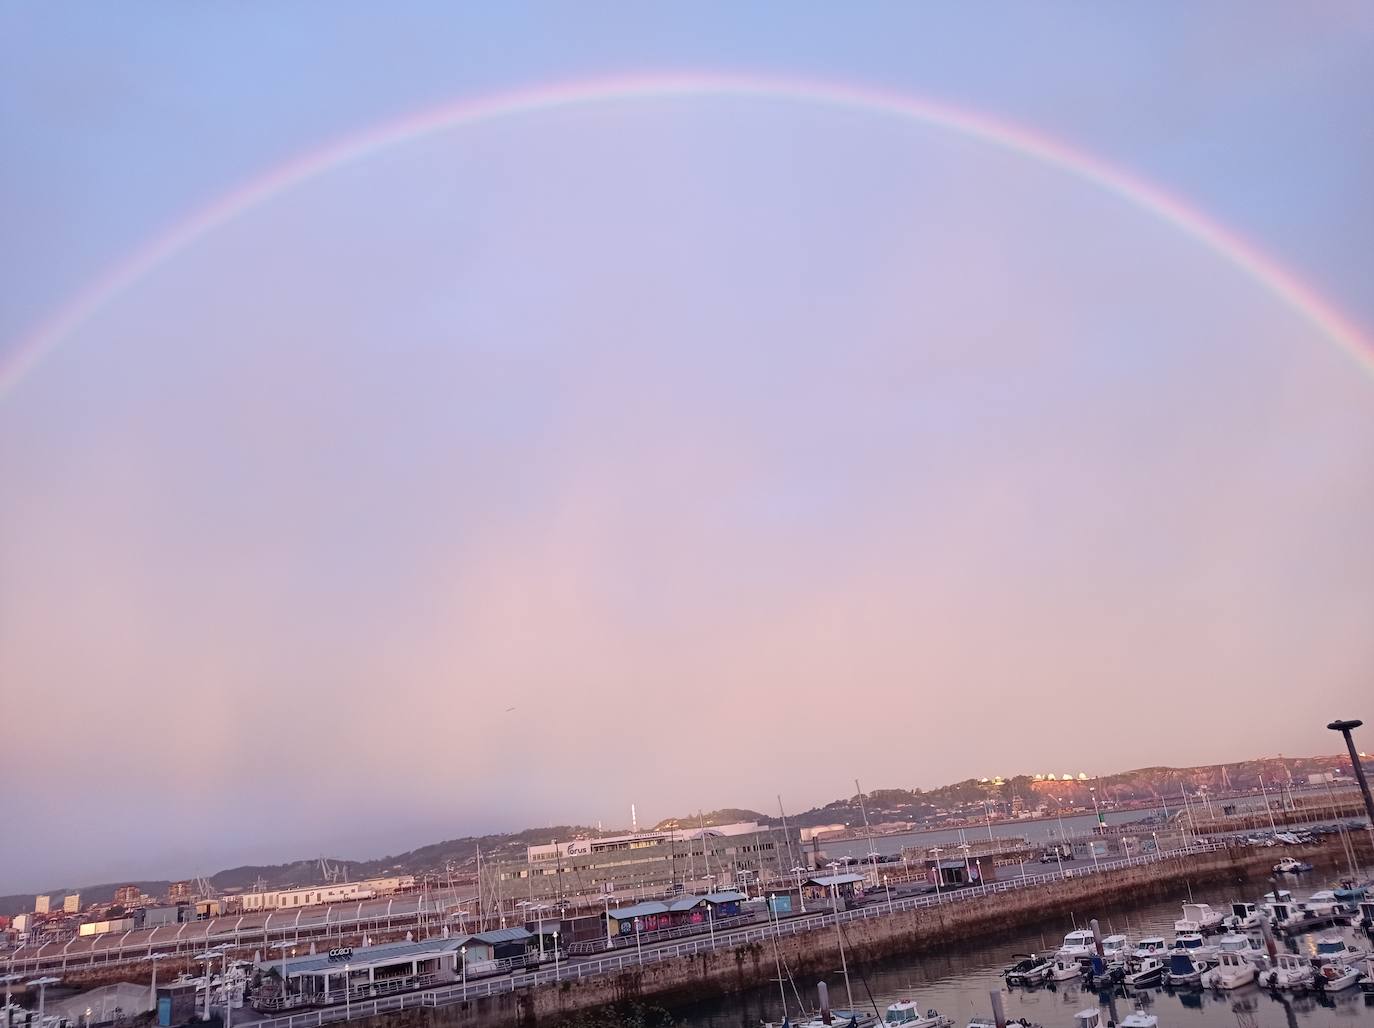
x,y
957,983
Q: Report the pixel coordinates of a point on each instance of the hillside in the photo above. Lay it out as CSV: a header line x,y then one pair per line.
x,y
969,797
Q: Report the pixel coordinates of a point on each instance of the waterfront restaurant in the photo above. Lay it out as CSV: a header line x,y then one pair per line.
x,y
319,979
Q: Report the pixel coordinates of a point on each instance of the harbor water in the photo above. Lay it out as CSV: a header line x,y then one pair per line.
x,y
956,982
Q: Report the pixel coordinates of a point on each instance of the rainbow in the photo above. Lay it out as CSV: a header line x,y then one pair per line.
x,y
1282,283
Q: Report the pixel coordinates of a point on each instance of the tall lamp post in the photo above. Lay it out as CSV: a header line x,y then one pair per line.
x,y
801,894
938,873
463,956
1345,728
43,984
152,991
9,981
606,899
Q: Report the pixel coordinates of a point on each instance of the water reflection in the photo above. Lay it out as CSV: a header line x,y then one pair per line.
x,y
956,981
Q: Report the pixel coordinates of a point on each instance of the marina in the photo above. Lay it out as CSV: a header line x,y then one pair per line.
x,y
956,982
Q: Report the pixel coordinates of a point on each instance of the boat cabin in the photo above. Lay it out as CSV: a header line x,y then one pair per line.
x,y
1114,947
1189,942
1151,944
1088,1019
1079,943
1333,947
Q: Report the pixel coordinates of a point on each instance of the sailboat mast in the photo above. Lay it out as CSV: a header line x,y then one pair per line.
x,y
839,937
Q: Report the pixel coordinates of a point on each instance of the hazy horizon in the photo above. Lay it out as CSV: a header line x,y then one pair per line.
x,y
646,818
675,450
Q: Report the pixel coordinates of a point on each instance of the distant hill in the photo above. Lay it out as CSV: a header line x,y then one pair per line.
x,y
459,856
724,816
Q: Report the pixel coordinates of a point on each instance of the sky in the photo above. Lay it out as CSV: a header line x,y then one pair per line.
x,y
678,451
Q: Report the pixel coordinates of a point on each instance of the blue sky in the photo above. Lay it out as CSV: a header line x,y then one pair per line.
x,y
654,413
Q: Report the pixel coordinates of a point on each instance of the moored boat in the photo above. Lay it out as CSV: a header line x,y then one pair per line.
x,y
1115,949
1198,917
906,1014
1065,968
1151,946
1138,1018
1150,972
1078,943
1031,969
1333,977
1286,971
1289,866
1184,970
1232,970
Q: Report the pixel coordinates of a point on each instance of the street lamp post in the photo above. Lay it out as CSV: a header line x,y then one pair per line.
x,y
979,862
801,894
348,1004
639,943
43,984
9,981
555,954
1345,728
88,1017
207,958
152,991
606,899
938,873
888,889
711,921
463,955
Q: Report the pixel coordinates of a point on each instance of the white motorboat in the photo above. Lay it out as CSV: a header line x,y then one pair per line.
x,y
907,1014
1137,1018
1335,949
1286,971
1198,917
1323,904
1090,1018
1334,977
1150,972
1248,946
1243,916
1151,946
1190,942
1065,968
1080,943
1115,949
1289,866
1269,901
1029,970
1184,970
1232,970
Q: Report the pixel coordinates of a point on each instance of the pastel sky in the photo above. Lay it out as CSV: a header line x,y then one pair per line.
x,y
742,446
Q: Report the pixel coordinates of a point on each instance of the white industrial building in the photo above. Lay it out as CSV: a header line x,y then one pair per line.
x,y
310,895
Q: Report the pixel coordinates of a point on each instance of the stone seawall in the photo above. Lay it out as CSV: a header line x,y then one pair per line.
x,y
701,976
